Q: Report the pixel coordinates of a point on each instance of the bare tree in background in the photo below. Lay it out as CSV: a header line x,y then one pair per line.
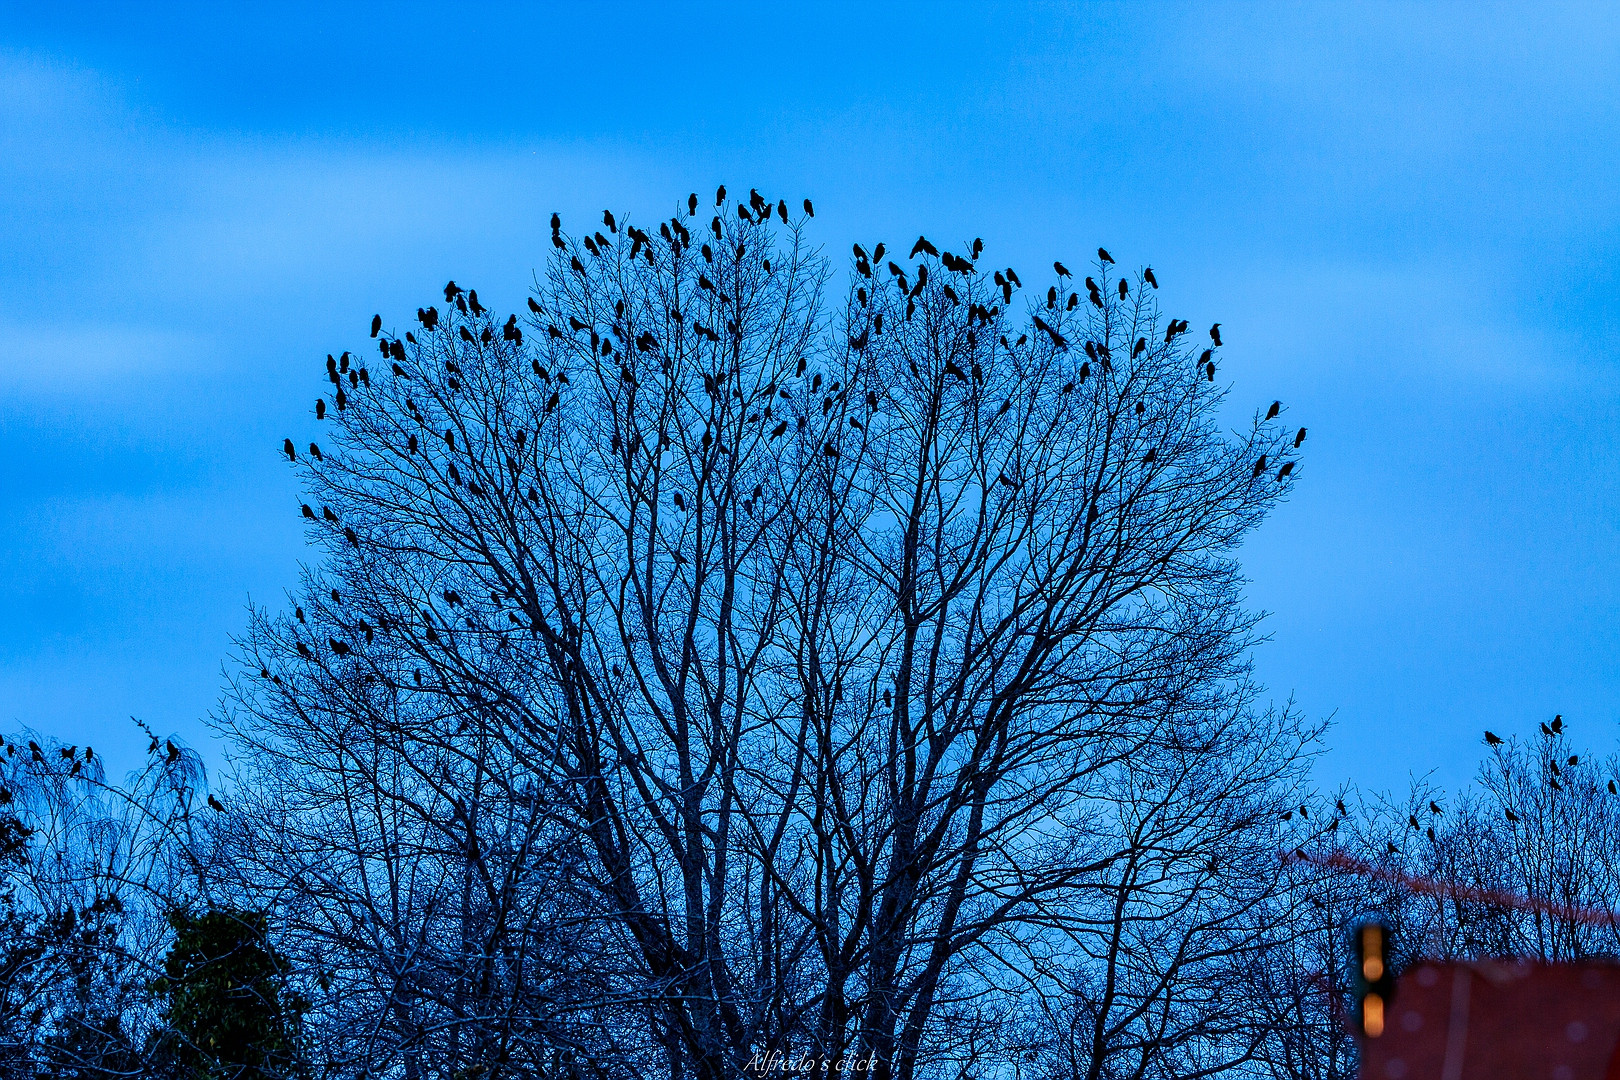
x,y
88,870
1520,866
700,670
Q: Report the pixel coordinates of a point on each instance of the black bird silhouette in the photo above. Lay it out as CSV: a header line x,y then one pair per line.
x,y
719,194
315,452
287,448
1124,289
1612,789
1558,723
1063,271
1057,338
1260,466
810,211
1276,407
349,535
326,512
922,244
1434,807
216,804
376,324
1412,820
1299,438
338,647
1215,333
1151,456
1282,473
1140,348
680,503
951,368
1492,739
320,408
1545,730
1147,276
1209,369
556,222
1102,254
1511,816
888,699
778,429
308,512
607,219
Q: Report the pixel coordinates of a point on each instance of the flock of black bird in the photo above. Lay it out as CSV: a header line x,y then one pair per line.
x,y
339,370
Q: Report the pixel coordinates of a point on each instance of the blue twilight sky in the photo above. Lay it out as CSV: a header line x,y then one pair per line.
x,y
1406,218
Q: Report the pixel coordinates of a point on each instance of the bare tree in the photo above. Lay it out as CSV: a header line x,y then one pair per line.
x,y
88,870
780,677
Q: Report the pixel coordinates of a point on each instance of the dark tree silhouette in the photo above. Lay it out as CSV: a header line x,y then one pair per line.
x,y
226,1007
699,670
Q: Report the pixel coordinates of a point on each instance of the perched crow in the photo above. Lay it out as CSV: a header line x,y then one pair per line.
x,y
288,449
216,804
1103,255
1057,338
607,219
376,324
922,244
1276,407
1063,271
1260,466
809,210
1147,276
1434,807
1215,333
719,194
1492,739
1124,289
1299,438
1282,473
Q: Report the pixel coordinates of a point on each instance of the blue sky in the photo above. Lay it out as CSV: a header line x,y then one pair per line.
x,y
1407,220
